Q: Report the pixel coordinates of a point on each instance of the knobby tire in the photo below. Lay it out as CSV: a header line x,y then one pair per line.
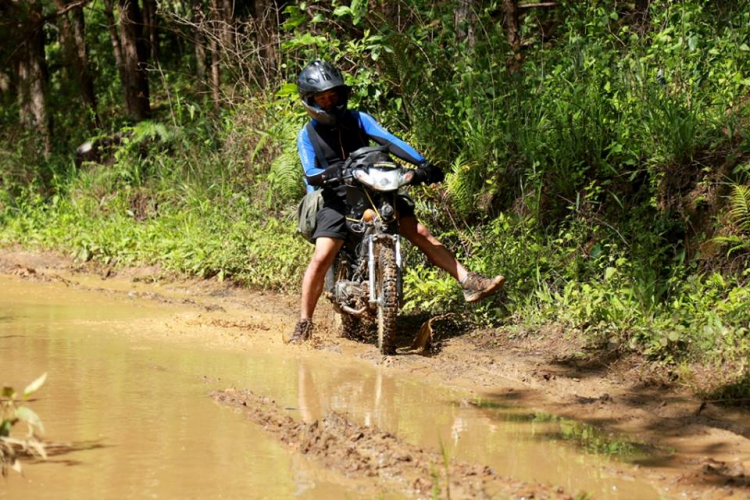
x,y
386,286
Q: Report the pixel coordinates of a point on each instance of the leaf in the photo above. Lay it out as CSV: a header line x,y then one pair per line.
x,y
740,207
342,10
305,40
609,272
34,386
288,89
295,17
8,392
424,337
26,414
38,447
5,428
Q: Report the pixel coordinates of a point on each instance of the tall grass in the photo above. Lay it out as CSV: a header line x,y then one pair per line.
x,y
569,172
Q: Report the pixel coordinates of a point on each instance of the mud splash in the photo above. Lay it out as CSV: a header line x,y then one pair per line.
x,y
366,452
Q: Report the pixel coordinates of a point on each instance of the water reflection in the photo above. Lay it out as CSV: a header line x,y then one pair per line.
x,y
130,414
309,402
514,442
145,403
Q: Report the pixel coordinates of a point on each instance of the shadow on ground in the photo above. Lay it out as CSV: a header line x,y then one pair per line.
x,y
57,452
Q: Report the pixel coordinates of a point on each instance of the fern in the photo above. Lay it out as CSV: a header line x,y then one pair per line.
x,y
397,64
739,212
739,215
736,243
463,184
150,130
285,173
285,177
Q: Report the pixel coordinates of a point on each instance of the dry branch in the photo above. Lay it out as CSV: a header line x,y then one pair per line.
x,y
536,5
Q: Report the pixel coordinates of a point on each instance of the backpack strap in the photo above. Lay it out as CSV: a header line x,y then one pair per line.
x,y
314,137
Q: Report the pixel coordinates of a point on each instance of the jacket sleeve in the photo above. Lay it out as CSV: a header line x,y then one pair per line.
x,y
396,146
313,174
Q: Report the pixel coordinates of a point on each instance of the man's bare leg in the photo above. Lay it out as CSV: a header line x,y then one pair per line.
x,y
312,284
419,236
475,286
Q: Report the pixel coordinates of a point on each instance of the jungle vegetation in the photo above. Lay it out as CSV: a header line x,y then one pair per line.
x,y
597,151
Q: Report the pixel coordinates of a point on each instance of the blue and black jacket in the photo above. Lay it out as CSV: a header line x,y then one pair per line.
x,y
353,131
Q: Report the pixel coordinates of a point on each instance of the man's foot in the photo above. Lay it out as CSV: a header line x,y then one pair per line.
x,y
302,332
476,287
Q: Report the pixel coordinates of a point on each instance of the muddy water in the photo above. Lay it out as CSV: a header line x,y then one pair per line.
x,y
132,413
130,403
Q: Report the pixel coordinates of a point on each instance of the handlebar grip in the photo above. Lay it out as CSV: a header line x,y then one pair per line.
x,y
331,175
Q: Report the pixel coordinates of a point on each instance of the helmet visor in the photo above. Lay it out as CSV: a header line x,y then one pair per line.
x,y
327,99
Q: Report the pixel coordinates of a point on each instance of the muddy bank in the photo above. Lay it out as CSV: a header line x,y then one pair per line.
x,y
707,446
366,452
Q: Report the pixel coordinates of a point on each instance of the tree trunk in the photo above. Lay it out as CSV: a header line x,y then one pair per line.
x,y
215,48
32,80
5,82
134,57
199,39
215,72
227,32
464,21
512,31
150,26
72,36
113,36
641,10
266,21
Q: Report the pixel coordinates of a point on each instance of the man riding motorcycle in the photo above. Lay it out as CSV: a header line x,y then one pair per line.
x,y
337,132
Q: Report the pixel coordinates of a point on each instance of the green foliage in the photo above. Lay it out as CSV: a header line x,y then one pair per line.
x,y
11,413
740,207
590,439
738,241
285,175
569,169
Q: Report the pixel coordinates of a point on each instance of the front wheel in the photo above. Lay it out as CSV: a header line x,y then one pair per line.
x,y
386,288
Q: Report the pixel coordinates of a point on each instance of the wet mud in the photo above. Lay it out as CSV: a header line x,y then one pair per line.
x,y
366,452
704,447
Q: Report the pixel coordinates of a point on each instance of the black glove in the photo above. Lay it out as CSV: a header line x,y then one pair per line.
x,y
435,174
420,176
333,174
427,173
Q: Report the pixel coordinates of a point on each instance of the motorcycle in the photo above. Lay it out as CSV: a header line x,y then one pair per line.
x,y
365,281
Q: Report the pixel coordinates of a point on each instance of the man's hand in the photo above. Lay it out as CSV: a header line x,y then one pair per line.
x,y
427,173
332,174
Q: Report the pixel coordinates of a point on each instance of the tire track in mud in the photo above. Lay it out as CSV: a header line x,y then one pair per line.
x,y
366,453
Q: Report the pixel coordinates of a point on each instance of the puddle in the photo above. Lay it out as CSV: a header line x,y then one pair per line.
x,y
132,415
134,412
583,437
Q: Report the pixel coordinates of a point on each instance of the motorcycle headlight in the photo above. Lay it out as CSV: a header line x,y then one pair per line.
x,y
384,180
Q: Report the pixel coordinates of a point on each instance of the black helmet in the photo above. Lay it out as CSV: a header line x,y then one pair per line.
x,y
319,76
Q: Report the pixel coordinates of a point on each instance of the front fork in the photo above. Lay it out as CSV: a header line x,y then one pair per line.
x,y
395,239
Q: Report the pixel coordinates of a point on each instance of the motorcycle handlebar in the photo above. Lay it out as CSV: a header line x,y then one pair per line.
x,y
343,175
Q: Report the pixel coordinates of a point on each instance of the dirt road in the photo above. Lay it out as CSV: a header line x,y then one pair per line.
x,y
704,448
